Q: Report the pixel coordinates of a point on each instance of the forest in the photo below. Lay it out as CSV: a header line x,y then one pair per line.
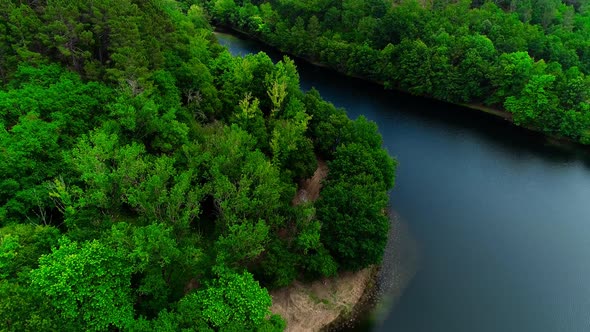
x,y
529,58
148,175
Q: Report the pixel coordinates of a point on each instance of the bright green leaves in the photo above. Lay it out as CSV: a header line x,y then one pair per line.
x,y
277,94
251,119
151,118
514,70
249,196
290,147
88,284
92,158
224,10
533,101
245,184
21,307
285,72
30,156
9,246
241,242
40,122
165,194
163,262
234,301
114,175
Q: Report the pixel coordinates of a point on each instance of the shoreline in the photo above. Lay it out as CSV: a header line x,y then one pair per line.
x,y
327,304
352,301
388,281
498,113
349,299
362,309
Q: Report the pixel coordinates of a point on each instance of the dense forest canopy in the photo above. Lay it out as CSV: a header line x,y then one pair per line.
x,y
530,58
148,175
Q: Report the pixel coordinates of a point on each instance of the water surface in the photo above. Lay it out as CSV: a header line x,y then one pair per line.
x,y
501,217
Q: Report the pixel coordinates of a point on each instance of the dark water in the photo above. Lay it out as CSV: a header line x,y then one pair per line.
x,y
501,217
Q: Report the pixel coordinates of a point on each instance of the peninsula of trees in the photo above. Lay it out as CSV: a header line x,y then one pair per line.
x,y
529,58
148,176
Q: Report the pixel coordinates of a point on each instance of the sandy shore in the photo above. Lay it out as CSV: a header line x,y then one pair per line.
x,y
313,306
344,301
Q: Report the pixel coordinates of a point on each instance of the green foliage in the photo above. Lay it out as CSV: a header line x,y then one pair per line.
x,y
533,101
147,172
321,263
251,119
354,226
36,122
233,301
354,160
22,245
353,203
22,308
87,284
243,241
475,52
162,262
279,266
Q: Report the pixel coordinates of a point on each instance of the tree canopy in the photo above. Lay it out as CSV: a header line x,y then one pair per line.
x,y
148,175
528,58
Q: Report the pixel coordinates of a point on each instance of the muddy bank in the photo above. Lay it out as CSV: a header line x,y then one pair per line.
x,y
313,306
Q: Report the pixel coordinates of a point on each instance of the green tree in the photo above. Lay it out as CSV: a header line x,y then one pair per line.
x,y
235,301
354,226
87,285
21,246
534,101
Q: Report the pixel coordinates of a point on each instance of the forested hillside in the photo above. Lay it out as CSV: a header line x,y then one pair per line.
x,y
148,175
530,58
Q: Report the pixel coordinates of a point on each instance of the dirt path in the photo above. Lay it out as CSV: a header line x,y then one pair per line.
x,y
311,306
309,190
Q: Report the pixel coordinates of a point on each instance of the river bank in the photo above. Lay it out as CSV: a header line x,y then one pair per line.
x,y
352,301
323,303
347,300
401,260
326,303
552,139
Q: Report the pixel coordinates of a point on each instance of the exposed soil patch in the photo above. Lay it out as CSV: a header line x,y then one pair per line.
x,y
312,306
309,189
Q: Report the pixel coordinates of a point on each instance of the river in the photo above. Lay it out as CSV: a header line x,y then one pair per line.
x,y
501,216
